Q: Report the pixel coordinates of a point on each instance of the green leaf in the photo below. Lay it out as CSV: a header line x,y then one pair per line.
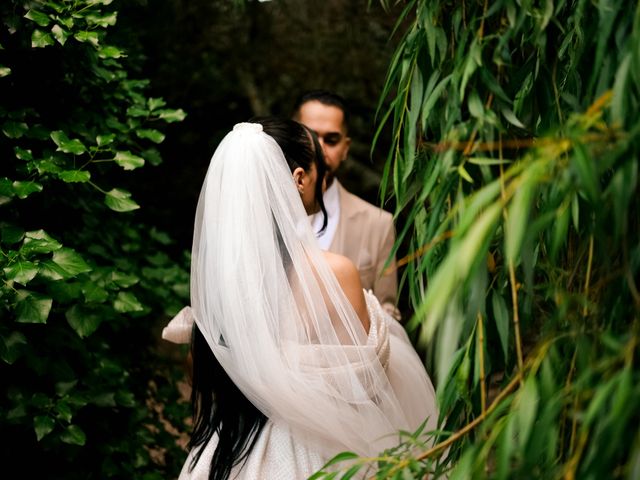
x,y
126,399
512,119
70,261
127,302
171,116
12,347
43,425
128,160
60,34
120,201
89,37
75,176
53,271
137,112
83,321
526,408
66,145
104,20
40,39
103,140
518,218
40,18
501,318
24,189
47,166
94,293
124,280
151,134
4,71
110,52
21,271
14,129
584,166
6,187
155,103
64,411
10,234
73,435
475,105
39,241
23,154
32,307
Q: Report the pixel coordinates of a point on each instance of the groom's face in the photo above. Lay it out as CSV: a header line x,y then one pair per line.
x,y
328,123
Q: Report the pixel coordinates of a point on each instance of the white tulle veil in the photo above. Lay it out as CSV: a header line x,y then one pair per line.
x,y
273,312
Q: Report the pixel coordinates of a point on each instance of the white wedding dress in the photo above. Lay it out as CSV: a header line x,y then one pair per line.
x,y
277,320
278,453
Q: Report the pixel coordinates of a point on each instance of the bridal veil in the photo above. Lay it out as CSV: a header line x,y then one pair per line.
x,y
276,318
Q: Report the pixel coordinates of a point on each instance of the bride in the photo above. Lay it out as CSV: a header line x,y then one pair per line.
x,y
292,361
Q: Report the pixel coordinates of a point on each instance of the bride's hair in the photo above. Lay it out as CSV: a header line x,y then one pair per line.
x,y
218,404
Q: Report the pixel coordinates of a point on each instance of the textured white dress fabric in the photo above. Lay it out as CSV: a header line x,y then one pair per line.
x,y
278,454
275,317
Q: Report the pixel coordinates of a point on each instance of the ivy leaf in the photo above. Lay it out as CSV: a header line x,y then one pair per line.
x,y
155,103
39,241
52,271
47,166
60,34
40,39
40,18
110,51
128,160
94,292
73,435
83,321
4,71
6,187
24,189
150,134
126,399
152,155
11,347
43,425
11,234
70,261
137,112
21,272
127,302
103,140
120,201
171,116
90,37
66,145
103,21
23,154
14,129
32,307
124,280
75,176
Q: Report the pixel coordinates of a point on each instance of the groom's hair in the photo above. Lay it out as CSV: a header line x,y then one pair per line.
x,y
325,97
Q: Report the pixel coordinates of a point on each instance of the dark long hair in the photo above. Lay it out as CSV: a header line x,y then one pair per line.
x,y
218,404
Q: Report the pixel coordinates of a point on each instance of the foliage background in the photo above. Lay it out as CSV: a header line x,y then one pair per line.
x,y
512,136
93,95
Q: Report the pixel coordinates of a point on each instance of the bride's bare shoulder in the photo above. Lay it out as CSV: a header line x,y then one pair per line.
x,y
349,279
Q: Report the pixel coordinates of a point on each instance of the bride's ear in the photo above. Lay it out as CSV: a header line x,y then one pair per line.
x,y
298,177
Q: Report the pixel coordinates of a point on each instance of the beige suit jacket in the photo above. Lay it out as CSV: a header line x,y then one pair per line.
x,y
365,234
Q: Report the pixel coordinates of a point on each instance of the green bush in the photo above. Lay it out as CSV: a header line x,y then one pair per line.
x,y
83,280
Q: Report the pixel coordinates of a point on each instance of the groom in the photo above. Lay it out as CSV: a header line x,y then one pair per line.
x,y
356,229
